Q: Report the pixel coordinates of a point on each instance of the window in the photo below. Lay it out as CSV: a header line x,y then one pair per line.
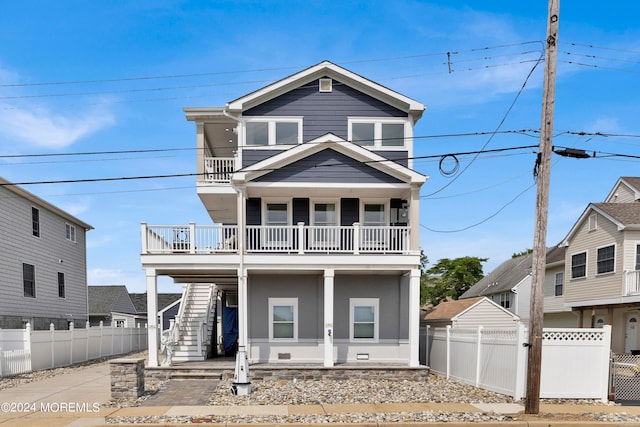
x,y
373,234
637,257
377,133
283,319
504,299
70,232
559,284
374,214
606,259
363,319
277,220
121,323
29,280
61,290
325,220
579,265
35,221
263,132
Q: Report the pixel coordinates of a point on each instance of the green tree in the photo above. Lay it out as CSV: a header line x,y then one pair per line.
x,y
519,254
451,278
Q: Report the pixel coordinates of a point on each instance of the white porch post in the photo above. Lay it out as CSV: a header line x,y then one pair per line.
x,y
414,318
328,317
152,308
414,220
243,330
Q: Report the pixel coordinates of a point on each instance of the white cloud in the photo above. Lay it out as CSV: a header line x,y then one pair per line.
x,y
42,128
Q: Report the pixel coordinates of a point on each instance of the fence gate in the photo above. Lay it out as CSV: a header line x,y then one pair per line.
x,y
625,377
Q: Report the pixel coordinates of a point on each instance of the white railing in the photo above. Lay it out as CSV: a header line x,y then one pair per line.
x,y
575,361
298,239
631,282
219,169
53,348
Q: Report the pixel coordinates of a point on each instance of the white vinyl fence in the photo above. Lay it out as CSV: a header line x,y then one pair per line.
x,y
26,350
575,361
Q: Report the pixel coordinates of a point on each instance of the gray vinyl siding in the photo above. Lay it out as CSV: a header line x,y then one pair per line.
x,y
124,304
485,314
622,194
252,156
325,112
392,300
306,288
328,166
50,253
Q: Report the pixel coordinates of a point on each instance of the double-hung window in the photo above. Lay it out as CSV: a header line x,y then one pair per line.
x,y
559,284
579,265
364,319
606,259
373,232
273,131
70,232
283,319
378,133
277,231
325,221
29,280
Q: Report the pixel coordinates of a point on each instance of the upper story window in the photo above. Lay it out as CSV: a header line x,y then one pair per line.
x,y
273,131
504,299
29,280
70,232
378,133
637,257
606,259
276,216
283,319
559,284
374,214
35,221
579,265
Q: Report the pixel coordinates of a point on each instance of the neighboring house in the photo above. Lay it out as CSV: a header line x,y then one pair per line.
x,y
113,306
43,262
313,253
470,313
508,285
592,278
168,307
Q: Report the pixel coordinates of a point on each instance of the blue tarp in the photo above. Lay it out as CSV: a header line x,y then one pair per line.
x,y
229,327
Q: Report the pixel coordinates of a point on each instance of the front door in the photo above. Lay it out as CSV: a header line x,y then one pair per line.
x,y
631,333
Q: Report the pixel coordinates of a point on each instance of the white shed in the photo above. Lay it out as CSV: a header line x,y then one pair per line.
x,y
470,313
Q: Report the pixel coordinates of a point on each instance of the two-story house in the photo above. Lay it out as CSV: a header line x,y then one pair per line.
x,y
313,253
602,266
43,262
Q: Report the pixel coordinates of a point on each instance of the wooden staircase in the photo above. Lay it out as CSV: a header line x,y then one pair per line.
x,y
195,322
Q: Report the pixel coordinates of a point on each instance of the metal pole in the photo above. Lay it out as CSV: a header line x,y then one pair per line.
x,y
532,403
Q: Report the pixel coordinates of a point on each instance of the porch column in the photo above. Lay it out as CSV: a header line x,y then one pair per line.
x,y
414,219
152,317
328,317
414,317
243,325
200,152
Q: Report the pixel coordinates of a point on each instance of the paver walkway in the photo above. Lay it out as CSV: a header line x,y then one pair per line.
x,y
183,392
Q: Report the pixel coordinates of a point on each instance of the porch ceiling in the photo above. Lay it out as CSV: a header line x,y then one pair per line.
x,y
222,207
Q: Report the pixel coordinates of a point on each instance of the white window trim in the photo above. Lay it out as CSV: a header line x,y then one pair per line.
x,y
284,301
555,284
377,131
586,265
75,232
385,202
593,222
615,253
373,302
271,120
312,209
266,241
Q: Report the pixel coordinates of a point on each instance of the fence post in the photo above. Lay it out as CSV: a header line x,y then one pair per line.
x,y
448,349
606,353
27,344
71,327
52,328
100,348
87,327
426,346
521,370
478,353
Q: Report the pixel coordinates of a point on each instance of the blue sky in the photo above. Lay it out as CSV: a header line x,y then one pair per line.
x,y
81,76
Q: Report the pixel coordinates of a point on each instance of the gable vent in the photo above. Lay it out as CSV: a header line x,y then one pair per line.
x,y
326,85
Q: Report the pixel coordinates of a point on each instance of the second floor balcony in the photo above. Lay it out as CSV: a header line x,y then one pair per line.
x,y
294,239
631,282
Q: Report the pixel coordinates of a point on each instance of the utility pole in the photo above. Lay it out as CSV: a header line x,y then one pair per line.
x,y
532,403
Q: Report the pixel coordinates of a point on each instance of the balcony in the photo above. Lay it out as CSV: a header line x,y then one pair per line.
x,y
219,169
295,239
631,282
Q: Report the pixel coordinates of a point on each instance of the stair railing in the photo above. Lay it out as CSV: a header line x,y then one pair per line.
x,y
204,324
181,310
